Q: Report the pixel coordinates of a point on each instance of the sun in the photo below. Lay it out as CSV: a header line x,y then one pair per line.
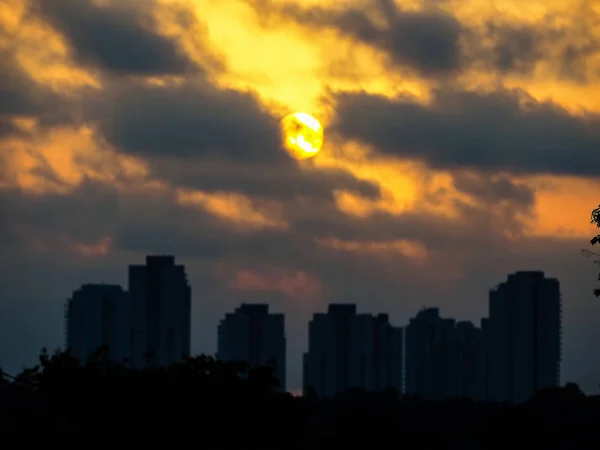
x,y
302,134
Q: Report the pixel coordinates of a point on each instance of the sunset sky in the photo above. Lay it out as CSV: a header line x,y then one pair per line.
x,y
462,143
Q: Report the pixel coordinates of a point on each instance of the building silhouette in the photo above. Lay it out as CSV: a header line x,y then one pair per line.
x,y
470,353
94,316
388,353
515,353
485,330
348,350
159,332
431,371
254,335
523,337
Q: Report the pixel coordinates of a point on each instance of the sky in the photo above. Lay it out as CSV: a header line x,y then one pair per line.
x,y
462,143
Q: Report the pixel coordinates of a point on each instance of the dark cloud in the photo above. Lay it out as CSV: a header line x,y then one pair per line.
x,y
189,120
272,181
515,48
84,216
136,223
139,223
433,43
503,130
494,189
195,135
7,127
518,48
21,96
574,61
119,37
425,41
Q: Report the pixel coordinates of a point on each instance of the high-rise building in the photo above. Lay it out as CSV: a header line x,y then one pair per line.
x,y
524,337
94,315
160,296
469,348
444,358
485,329
347,350
254,335
388,353
431,371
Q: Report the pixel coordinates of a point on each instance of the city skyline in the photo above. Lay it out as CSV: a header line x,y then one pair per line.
x,y
514,353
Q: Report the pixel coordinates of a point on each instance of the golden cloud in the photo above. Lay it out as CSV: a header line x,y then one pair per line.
x,y
411,249
296,285
236,208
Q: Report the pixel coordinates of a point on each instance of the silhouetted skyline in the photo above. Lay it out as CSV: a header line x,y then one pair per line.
x,y
515,353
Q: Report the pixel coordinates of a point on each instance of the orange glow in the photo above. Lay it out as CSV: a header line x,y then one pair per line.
x,y
233,207
100,248
563,207
408,248
297,285
59,160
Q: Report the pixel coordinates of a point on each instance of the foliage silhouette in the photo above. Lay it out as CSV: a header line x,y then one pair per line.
x,y
232,405
595,219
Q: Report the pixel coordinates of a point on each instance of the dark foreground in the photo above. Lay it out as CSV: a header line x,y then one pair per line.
x,y
227,406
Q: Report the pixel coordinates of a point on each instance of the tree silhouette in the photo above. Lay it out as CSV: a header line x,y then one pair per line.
x,y
234,405
595,219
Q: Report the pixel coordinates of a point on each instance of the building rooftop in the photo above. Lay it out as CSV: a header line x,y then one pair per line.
x,y
253,308
342,308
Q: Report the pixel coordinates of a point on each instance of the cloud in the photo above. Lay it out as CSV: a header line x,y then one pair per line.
x,y
119,37
281,181
493,190
81,216
425,41
502,130
296,285
435,43
195,135
187,120
514,47
22,97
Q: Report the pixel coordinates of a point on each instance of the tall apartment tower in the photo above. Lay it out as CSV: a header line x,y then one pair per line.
x,y
94,316
444,359
388,353
524,337
470,351
430,356
349,350
253,335
160,297
485,330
